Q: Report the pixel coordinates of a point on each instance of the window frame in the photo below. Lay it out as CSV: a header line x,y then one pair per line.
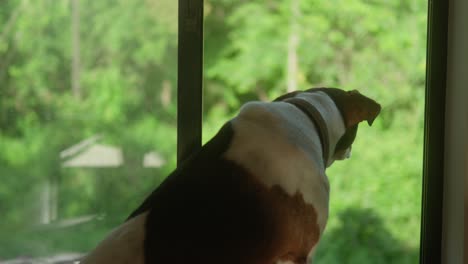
x,y
189,78
189,109
434,132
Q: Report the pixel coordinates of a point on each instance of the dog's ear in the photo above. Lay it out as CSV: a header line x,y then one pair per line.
x,y
359,108
354,106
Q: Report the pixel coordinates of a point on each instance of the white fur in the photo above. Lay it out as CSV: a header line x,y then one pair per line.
x,y
279,144
123,245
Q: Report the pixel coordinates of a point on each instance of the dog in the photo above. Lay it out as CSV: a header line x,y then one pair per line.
x,y
256,193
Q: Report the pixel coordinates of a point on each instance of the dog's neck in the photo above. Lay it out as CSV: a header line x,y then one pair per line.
x,y
332,118
288,121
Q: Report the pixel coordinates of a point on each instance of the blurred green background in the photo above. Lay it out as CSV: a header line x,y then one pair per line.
x,y
88,111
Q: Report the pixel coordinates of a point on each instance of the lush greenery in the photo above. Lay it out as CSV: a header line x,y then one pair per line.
x,y
253,50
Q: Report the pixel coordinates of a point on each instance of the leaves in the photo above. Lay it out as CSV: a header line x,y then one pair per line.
x,y
128,81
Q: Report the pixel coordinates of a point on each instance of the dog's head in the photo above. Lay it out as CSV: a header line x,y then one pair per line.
x,y
354,108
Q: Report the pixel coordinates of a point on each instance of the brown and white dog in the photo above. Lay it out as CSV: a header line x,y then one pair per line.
x,y
256,193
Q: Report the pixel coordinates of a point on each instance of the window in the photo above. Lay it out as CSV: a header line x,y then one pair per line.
x,y
87,118
88,111
257,50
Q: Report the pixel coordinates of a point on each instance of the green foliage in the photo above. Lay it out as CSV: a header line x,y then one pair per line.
x,y
126,66
128,82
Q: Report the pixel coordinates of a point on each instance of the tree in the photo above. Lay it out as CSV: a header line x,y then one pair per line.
x,y
253,50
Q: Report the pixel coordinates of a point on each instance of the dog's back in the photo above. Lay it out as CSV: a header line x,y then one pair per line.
x,y
256,193
218,209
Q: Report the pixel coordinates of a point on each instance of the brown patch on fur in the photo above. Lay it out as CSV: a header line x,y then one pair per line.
x,y
297,228
292,223
222,213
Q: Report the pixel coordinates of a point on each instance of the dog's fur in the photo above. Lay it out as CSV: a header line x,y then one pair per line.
x,y
257,193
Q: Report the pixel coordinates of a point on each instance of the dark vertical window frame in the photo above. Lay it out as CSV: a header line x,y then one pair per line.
x,y
189,78
434,125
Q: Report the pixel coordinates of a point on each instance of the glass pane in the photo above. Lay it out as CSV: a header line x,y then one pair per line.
x,y
260,50
87,118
